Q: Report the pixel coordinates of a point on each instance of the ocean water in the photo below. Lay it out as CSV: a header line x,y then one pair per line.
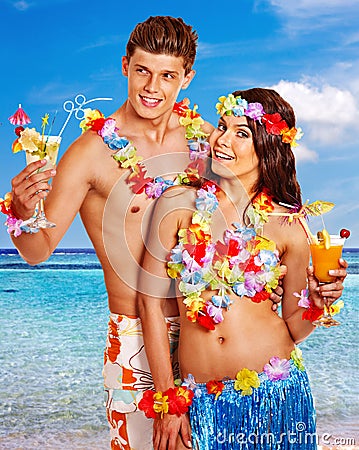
x,y
53,322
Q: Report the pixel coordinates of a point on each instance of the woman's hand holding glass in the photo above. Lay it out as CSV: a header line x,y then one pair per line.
x,y
323,295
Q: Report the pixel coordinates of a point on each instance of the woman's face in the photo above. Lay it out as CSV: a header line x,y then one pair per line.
x,y
232,149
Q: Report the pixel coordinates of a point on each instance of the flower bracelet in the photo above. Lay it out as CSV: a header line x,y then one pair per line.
x,y
13,224
311,311
172,401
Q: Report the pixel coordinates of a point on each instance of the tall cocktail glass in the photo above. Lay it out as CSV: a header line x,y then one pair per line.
x,y
48,149
325,256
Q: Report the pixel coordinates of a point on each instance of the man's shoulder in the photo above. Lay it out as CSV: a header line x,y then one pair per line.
x,y
87,144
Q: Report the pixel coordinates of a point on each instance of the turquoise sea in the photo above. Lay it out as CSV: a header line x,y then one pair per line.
x,y
53,321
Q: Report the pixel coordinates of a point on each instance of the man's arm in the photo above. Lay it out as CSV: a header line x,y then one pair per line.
x,y
66,195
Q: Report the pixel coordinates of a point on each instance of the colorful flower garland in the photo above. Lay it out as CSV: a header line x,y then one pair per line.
x,y
127,157
178,399
247,380
244,263
274,123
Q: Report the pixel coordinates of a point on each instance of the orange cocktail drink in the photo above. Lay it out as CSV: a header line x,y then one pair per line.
x,y
325,257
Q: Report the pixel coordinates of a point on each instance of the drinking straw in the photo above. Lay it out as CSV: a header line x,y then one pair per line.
x,y
80,101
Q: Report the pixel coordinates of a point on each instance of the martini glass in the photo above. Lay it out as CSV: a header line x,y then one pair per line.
x,y
324,258
48,149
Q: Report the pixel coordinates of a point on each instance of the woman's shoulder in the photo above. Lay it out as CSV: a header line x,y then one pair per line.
x,y
176,198
286,231
188,192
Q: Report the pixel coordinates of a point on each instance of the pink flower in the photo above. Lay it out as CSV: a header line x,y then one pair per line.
x,y
304,301
109,127
215,312
14,226
277,369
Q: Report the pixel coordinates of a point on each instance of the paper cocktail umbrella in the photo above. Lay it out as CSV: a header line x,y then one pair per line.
x,y
19,117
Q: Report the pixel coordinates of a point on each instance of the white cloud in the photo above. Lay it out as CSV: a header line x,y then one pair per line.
x,y
310,8
21,5
304,154
52,94
325,114
102,41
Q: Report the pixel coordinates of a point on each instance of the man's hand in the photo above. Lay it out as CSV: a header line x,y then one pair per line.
x,y
327,293
277,295
169,431
28,187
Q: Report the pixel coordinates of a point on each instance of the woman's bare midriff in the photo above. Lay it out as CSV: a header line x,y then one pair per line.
x,y
248,337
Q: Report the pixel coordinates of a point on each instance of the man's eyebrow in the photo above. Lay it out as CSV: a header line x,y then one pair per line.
x,y
141,66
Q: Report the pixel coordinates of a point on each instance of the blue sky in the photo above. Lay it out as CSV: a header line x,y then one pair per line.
x,y
307,50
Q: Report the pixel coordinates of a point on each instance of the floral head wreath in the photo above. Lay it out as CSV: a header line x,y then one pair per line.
x,y
274,123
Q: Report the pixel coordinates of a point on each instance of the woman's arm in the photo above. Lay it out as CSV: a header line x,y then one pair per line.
x,y
170,214
296,258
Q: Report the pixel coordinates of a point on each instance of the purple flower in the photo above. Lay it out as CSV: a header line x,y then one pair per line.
x,y
254,111
215,312
153,189
157,187
277,369
252,283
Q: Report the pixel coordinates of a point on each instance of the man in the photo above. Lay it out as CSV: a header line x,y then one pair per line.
x,y
158,64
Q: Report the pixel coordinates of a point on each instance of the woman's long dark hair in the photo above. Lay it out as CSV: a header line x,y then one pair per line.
x,y
277,170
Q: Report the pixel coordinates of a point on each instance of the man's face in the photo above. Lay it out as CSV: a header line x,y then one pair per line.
x,y
154,82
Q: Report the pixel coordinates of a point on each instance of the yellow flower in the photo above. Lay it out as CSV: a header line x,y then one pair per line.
x,y
160,405
172,272
297,357
45,121
265,244
6,200
131,162
246,380
89,116
335,309
30,140
223,269
226,104
194,303
183,392
200,220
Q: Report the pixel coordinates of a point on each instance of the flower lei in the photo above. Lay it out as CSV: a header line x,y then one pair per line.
x,y
247,380
274,123
244,263
127,157
172,401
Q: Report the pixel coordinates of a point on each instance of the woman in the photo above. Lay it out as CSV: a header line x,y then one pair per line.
x,y
238,359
